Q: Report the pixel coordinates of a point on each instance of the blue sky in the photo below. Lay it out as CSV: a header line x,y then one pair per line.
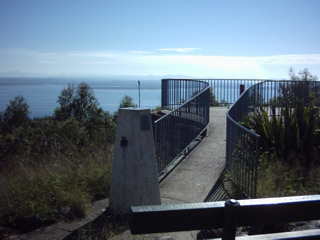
x,y
203,38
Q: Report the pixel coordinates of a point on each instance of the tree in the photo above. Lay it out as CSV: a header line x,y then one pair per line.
x,y
126,102
213,101
79,102
301,87
303,75
16,113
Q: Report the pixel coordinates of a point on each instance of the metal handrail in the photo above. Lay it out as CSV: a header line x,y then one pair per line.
x,y
176,130
243,152
228,215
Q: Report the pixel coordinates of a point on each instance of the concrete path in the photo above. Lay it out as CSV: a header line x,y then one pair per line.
x,y
192,180
194,177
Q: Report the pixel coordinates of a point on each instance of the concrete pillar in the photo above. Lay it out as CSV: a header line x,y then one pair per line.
x,y
134,172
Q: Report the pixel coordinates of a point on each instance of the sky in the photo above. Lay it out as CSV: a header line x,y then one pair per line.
x,y
198,38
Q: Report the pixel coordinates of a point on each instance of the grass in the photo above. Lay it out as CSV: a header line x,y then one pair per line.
x,y
106,226
53,189
278,178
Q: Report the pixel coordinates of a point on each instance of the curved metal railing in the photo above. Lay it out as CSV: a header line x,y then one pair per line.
x,y
227,91
186,102
242,153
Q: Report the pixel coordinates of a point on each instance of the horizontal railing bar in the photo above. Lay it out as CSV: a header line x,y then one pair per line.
x,y
181,106
242,127
210,215
313,234
176,130
176,217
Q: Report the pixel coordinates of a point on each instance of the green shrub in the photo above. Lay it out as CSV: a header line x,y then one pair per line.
x,y
294,133
53,167
289,146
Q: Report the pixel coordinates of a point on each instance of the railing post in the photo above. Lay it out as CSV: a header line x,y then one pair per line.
x,y
230,219
241,88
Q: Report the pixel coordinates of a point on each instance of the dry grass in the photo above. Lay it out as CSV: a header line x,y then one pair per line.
x,y
53,188
277,178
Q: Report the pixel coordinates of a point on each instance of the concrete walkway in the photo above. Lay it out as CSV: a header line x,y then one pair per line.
x,y
194,177
192,180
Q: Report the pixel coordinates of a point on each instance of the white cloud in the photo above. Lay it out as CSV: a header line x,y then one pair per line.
x,y
304,59
178,49
138,62
140,52
95,54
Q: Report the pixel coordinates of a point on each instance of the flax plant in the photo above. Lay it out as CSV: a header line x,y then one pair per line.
x,y
289,146
293,133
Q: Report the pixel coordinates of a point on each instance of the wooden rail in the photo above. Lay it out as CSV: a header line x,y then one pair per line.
x,y
227,215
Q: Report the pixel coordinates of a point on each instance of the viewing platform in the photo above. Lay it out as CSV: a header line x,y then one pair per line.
x,y
192,179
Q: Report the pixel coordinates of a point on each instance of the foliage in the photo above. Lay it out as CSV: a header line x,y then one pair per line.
x,y
79,102
256,99
156,109
55,189
127,102
51,138
294,133
303,75
16,113
281,179
300,87
54,165
289,139
213,101
212,98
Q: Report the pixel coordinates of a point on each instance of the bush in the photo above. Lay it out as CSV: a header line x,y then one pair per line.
x,y
294,133
289,146
16,113
52,168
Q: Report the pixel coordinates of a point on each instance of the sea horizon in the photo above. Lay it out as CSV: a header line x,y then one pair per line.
x,y
42,93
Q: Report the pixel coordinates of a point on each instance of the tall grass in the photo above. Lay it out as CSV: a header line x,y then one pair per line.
x,y
53,188
278,178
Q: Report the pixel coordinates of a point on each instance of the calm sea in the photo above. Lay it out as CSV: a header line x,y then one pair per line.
x,y
42,98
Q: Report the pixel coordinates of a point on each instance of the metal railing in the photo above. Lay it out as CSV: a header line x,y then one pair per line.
x,y
227,91
242,152
187,103
229,215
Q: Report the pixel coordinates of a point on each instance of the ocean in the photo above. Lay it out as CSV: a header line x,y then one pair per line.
x,y
42,94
